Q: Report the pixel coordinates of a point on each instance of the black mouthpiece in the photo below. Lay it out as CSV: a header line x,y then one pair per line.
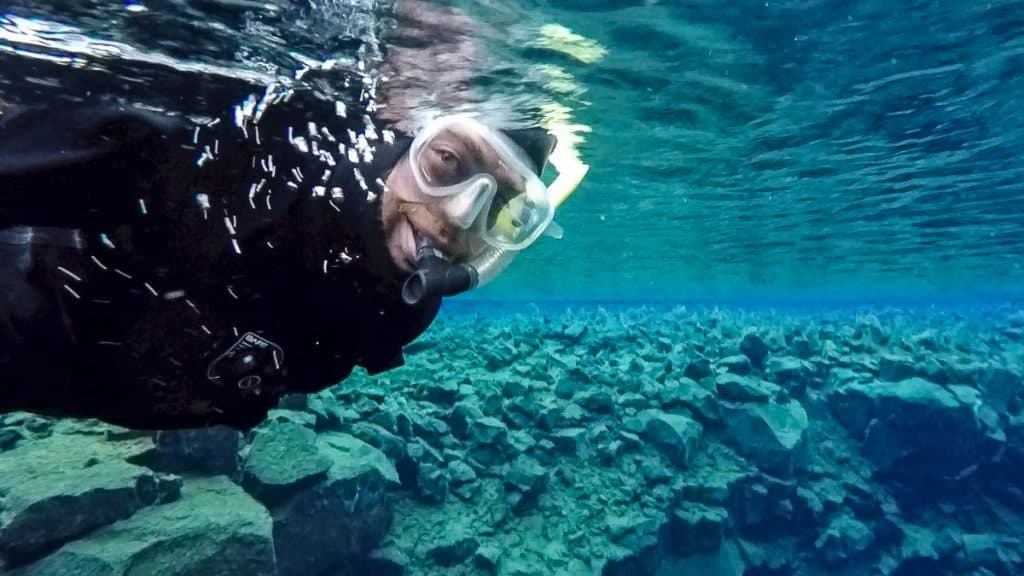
x,y
435,276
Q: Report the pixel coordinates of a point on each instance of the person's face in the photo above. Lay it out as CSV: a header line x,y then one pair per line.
x,y
449,158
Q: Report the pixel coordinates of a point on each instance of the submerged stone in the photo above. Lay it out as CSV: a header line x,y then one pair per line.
x,y
487,559
570,441
844,539
686,393
453,550
524,482
674,435
895,368
907,411
736,388
340,517
431,484
55,489
695,529
599,401
214,529
754,347
769,434
738,364
282,459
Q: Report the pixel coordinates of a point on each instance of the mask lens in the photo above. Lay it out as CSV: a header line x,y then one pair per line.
x,y
446,160
513,223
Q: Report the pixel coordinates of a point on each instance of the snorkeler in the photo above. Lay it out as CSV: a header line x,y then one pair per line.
x,y
163,272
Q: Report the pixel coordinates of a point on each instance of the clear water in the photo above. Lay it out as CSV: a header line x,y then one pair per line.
x,y
854,164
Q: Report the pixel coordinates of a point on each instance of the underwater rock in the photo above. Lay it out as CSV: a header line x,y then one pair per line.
x,y
901,414
764,508
567,387
790,372
441,391
520,412
632,400
461,473
488,431
632,530
428,428
9,438
489,441
487,559
570,442
726,561
210,450
1003,388
58,488
686,393
654,472
845,538
674,435
736,388
282,459
392,446
549,415
341,516
389,561
599,401
894,367
328,414
738,364
801,348
771,435
1002,554
278,415
462,416
870,327
453,550
214,529
754,347
694,529
431,484
698,369
524,482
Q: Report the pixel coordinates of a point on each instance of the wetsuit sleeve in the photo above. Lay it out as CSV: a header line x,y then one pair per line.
x,y
60,166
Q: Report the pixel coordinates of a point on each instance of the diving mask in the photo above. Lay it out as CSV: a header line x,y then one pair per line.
x,y
488,183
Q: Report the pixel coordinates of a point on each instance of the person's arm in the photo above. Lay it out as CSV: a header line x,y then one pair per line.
x,y
61,166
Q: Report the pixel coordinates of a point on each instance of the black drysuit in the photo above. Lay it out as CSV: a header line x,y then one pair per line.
x,y
158,272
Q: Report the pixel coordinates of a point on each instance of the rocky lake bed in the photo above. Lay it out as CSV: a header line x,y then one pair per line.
x,y
635,441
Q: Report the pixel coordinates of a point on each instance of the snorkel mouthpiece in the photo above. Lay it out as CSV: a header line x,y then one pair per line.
x,y
436,276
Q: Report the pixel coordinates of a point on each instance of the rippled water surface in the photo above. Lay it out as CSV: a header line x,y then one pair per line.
x,y
796,149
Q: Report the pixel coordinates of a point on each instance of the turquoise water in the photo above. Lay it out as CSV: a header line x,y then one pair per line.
x,y
793,150
781,335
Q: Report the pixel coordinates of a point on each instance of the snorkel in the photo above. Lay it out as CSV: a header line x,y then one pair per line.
x,y
436,276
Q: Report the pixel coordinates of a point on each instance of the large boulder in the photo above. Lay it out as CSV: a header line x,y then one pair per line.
x,y
214,529
735,388
340,517
772,435
525,481
754,347
676,436
282,458
55,489
844,539
914,427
